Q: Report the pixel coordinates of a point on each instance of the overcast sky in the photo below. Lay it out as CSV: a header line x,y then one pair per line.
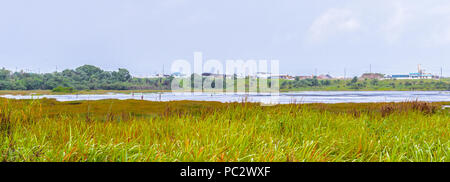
x,y
142,35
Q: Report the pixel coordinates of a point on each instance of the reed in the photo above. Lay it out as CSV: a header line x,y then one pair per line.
x,y
131,130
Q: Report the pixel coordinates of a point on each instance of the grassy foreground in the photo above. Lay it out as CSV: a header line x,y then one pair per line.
x,y
113,130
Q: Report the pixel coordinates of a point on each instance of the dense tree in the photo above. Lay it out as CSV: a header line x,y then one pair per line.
x,y
86,77
4,74
88,70
354,80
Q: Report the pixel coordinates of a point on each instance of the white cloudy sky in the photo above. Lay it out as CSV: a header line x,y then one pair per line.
x,y
328,35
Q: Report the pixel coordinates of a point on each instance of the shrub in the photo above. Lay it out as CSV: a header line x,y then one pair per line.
x,y
64,89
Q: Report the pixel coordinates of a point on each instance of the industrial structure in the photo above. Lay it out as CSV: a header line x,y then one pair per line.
x,y
420,74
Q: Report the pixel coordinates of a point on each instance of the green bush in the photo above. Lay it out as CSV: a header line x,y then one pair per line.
x,y
64,89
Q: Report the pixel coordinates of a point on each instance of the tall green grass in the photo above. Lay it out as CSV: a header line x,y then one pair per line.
x,y
112,130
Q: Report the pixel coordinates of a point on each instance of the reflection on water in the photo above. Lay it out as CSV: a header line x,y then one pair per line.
x,y
284,98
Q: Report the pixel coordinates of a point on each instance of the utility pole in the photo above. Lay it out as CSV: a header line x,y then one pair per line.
x,y
160,79
441,74
345,73
370,68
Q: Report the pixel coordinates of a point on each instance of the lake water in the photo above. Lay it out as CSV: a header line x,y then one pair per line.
x,y
283,98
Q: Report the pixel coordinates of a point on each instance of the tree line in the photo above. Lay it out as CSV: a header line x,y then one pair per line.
x,y
364,84
90,77
85,77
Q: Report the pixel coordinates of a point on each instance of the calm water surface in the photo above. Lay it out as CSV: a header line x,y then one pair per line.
x,y
284,98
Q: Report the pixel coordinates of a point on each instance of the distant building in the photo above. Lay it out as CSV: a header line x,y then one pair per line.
x,y
162,76
372,76
399,77
265,75
262,75
154,76
324,77
178,75
320,77
283,77
411,76
213,75
419,75
286,77
304,77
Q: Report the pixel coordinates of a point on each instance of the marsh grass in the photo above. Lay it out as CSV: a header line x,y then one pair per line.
x,y
131,130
